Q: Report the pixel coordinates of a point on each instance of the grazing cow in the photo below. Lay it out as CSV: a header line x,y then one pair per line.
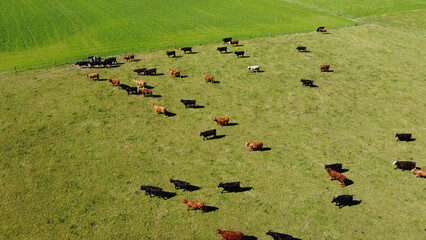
x,y
254,68
179,184
109,61
404,165
159,109
226,40
336,175
279,236
95,64
221,121
324,68
324,30
82,63
129,57
234,43
146,92
171,53
403,136
94,59
222,49
208,133
175,73
319,28
208,78
301,49
188,102
150,71
140,83
139,70
230,235
419,172
239,53
130,89
93,75
194,205
342,200
336,167
254,145
306,82
114,82
230,186
186,49
156,191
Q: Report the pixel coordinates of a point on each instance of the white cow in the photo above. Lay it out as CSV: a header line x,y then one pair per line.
x,y
253,68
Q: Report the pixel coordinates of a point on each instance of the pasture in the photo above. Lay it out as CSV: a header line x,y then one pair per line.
x,y
76,151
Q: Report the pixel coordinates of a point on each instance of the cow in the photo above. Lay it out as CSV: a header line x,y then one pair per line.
x,y
208,133
180,184
156,191
239,53
93,75
419,172
95,64
188,103
175,73
109,61
140,83
208,78
234,43
404,165
306,82
129,57
194,205
279,236
82,63
186,49
221,121
230,235
336,167
254,145
139,70
114,82
301,49
230,186
403,136
324,68
253,68
94,59
159,109
319,28
171,53
146,92
222,49
129,89
324,30
226,40
336,175
150,71
342,200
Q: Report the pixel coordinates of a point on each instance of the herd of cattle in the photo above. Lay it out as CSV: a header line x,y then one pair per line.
x,y
334,170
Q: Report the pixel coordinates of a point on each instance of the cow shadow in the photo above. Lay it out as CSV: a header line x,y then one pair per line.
x,y
262,149
216,137
112,66
350,204
240,189
328,71
196,107
167,195
192,53
214,81
244,57
177,56
238,45
313,86
343,170
192,188
102,79
348,182
232,124
260,71
183,76
136,60
169,114
307,51
227,52
249,237
208,209
157,96
408,140
149,87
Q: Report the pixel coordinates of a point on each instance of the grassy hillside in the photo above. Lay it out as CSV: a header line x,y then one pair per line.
x,y
75,152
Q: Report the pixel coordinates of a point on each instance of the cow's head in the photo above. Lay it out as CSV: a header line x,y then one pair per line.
x,y
219,231
184,201
221,184
394,163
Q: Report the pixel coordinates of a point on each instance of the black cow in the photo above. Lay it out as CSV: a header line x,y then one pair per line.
x,y
180,184
318,29
226,40
343,200
404,165
186,49
208,133
188,102
306,82
279,236
222,49
336,167
171,53
403,136
239,53
139,70
230,186
150,71
112,60
82,63
156,191
95,63
301,49
129,89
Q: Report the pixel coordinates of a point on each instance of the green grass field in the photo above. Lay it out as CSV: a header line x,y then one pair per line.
x,y
75,152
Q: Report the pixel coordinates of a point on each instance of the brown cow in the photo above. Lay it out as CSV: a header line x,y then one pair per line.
x,y
140,83
146,92
231,235
322,30
129,57
208,78
175,73
324,68
419,172
159,109
93,75
234,43
254,145
336,175
194,205
221,121
114,82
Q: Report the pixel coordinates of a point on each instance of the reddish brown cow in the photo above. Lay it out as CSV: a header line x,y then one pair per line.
x,y
129,57
175,73
324,68
159,109
254,145
114,82
322,30
140,83
194,205
93,75
221,121
208,78
146,92
419,172
231,235
336,175
234,43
